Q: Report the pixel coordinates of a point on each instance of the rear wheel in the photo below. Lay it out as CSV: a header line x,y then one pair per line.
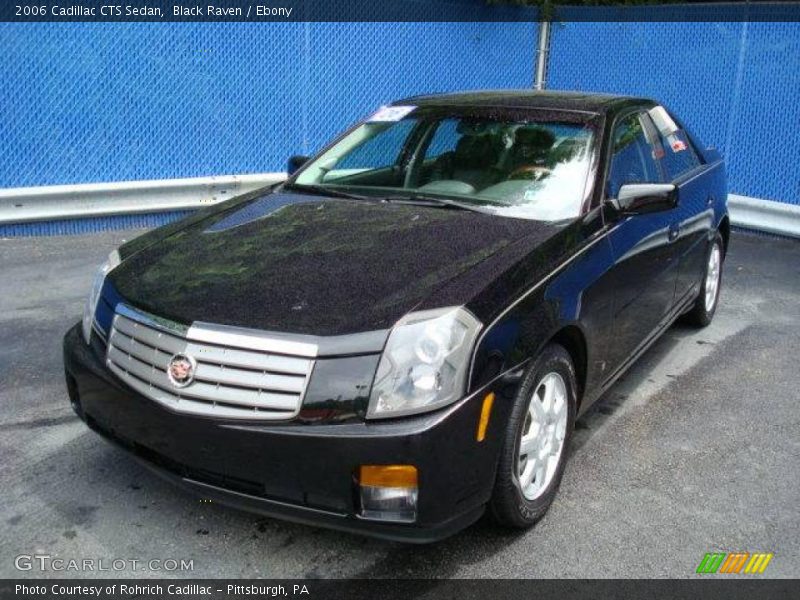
x,y
706,304
536,440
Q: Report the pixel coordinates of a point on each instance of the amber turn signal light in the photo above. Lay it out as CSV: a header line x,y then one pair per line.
x,y
388,493
486,411
396,476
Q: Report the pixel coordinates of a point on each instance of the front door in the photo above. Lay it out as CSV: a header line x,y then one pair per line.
x,y
646,265
681,165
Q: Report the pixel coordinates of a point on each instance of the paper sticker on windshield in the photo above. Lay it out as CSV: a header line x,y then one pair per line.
x,y
388,114
663,121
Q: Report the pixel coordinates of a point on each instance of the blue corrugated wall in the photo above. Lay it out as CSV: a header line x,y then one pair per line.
x,y
102,102
735,84
105,102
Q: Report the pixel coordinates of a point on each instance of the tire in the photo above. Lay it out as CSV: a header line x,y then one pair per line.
x,y
707,300
515,504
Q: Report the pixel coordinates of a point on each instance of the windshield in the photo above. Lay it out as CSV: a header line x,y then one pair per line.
x,y
531,169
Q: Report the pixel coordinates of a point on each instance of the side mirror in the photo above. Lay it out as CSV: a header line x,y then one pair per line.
x,y
295,162
643,198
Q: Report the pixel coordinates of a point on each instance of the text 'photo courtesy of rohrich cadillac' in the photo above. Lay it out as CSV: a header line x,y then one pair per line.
x,y
178,590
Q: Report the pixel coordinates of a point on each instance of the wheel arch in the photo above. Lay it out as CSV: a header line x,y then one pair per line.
x,y
573,340
725,232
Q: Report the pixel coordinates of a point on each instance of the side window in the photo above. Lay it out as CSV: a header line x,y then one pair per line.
x,y
445,139
379,151
678,156
633,159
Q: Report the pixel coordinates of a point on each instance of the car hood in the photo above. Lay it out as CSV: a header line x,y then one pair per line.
x,y
313,265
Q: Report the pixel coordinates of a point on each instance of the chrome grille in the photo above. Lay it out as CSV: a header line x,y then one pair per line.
x,y
240,374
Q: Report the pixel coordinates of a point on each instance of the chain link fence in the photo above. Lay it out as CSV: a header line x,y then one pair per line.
x,y
735,84
90,102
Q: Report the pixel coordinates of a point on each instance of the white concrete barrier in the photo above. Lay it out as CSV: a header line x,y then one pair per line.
x,y
45,203
29,204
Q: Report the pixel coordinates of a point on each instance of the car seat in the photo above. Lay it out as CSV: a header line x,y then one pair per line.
x,y
473,161
531,149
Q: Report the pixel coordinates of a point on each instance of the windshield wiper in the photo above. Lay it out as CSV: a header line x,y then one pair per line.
x,y
410,198
423,200
321,190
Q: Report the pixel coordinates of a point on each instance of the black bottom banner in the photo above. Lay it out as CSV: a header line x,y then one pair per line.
x,y
386,589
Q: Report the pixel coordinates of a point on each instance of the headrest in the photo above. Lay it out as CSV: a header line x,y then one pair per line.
x,y
469,151
535,137
470,127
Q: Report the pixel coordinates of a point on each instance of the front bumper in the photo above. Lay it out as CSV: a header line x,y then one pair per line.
x,y
296,471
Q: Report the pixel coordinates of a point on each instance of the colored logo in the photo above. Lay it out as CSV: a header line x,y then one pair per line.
x,y
734,562
180,370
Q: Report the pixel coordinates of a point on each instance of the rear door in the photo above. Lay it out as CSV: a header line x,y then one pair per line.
x,y
646,264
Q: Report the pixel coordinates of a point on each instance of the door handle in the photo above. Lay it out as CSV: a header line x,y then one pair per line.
x,y
674,230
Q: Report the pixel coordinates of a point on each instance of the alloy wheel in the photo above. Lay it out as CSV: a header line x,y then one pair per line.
x,y
712,277
542,441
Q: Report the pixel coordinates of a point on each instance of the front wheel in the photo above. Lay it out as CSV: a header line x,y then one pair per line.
x,y
706,304
536,440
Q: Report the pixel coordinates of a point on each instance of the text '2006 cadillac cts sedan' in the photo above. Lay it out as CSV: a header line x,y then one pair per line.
x,y
401,335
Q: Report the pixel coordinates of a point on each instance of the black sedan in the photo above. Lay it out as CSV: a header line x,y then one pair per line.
x,y
401,335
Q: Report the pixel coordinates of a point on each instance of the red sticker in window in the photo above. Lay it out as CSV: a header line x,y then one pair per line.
x,y
678,145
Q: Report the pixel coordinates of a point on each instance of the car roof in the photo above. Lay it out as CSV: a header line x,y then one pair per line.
x,y
586,102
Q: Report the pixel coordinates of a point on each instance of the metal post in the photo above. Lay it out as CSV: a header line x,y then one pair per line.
x,y
541,55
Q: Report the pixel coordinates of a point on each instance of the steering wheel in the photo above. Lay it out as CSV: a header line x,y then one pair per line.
x,y
533,172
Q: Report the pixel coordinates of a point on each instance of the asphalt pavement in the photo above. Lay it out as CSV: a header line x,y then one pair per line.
x,y
695,450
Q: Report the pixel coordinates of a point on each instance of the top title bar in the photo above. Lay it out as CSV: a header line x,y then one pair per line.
x,y
372,11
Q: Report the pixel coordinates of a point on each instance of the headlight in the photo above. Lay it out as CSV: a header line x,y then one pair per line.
x,y
425,362
94,295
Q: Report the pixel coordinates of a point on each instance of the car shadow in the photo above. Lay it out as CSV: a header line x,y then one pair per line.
x,y
615,398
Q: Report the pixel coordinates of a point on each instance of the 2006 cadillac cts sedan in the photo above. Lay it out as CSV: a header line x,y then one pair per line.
x,y
401,335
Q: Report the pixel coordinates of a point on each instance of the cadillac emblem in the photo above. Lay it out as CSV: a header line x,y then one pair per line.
x,y
180,370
